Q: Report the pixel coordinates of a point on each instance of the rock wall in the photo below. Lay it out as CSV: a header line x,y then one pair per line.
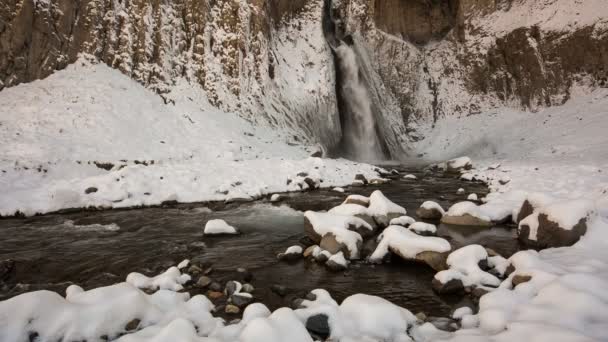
x,y
255,57
462,57
268,60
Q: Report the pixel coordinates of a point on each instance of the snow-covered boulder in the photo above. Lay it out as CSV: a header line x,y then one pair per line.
x,y
383,210
423,228
215,227
466,214
275,198
430,210
410,177
460,191
343,228
292,253
532,202
459,164
362,212
357,199
472,197
337,262
464,271
404,221
330,243
411,246
558,224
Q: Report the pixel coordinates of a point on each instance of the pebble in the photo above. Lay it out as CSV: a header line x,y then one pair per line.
x,y
231,288
232,309
132,325
215,286
248,288
214,294
203,281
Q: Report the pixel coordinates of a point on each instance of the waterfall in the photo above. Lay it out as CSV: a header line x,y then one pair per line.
x,y
359,134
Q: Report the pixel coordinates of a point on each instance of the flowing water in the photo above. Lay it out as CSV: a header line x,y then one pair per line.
x,y
101,247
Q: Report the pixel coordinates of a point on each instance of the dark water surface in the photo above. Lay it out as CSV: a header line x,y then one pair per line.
x,y
54,251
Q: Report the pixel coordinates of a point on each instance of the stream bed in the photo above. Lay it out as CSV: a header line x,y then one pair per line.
x,y
98,248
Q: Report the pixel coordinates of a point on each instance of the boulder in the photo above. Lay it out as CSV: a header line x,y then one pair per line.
x,y
330,244
435,260
451,287
526,210
318,327
549,234
429,213
310,231
459,164
361,178
357,199
465,220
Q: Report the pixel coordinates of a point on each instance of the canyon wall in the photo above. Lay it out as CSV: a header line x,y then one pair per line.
x,y
268,59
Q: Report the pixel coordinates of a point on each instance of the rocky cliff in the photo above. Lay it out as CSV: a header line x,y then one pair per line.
x,y
269,61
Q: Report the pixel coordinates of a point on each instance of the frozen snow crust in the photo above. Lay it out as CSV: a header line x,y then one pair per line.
x,y
110,143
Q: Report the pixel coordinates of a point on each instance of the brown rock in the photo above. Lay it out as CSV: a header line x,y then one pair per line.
x,y
465,220
526,210
330,244
428,214
451,287
549,234
308,251
436,260
215,294
520,279
310,231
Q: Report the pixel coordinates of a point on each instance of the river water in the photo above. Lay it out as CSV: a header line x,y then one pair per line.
x,y
86,248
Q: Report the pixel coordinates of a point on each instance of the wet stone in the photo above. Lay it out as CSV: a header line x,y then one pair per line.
x,y
279,289
231,288
318,326
215,286
232,309
203,282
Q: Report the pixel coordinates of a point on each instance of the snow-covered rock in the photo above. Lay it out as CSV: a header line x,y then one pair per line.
x,y
384,210
275,198
430,210
342,228
337,262
359,211
459,164
404,221
411,246
423,228
472,197
557,224
410,177
292,253
218,226
464,271
357,199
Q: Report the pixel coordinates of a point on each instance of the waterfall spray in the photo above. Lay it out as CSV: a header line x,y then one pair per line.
x,y
360,140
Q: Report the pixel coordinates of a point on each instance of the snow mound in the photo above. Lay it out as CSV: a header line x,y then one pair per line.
x,y
407,244
379,205
218,226
410,176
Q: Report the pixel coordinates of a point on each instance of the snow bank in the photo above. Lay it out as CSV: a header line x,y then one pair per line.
x,y
407,244
63,146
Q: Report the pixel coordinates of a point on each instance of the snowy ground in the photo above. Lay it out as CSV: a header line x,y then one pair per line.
x,y
53,134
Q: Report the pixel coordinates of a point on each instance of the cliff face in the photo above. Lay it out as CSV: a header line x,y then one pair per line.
x,y
461,57
267,59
